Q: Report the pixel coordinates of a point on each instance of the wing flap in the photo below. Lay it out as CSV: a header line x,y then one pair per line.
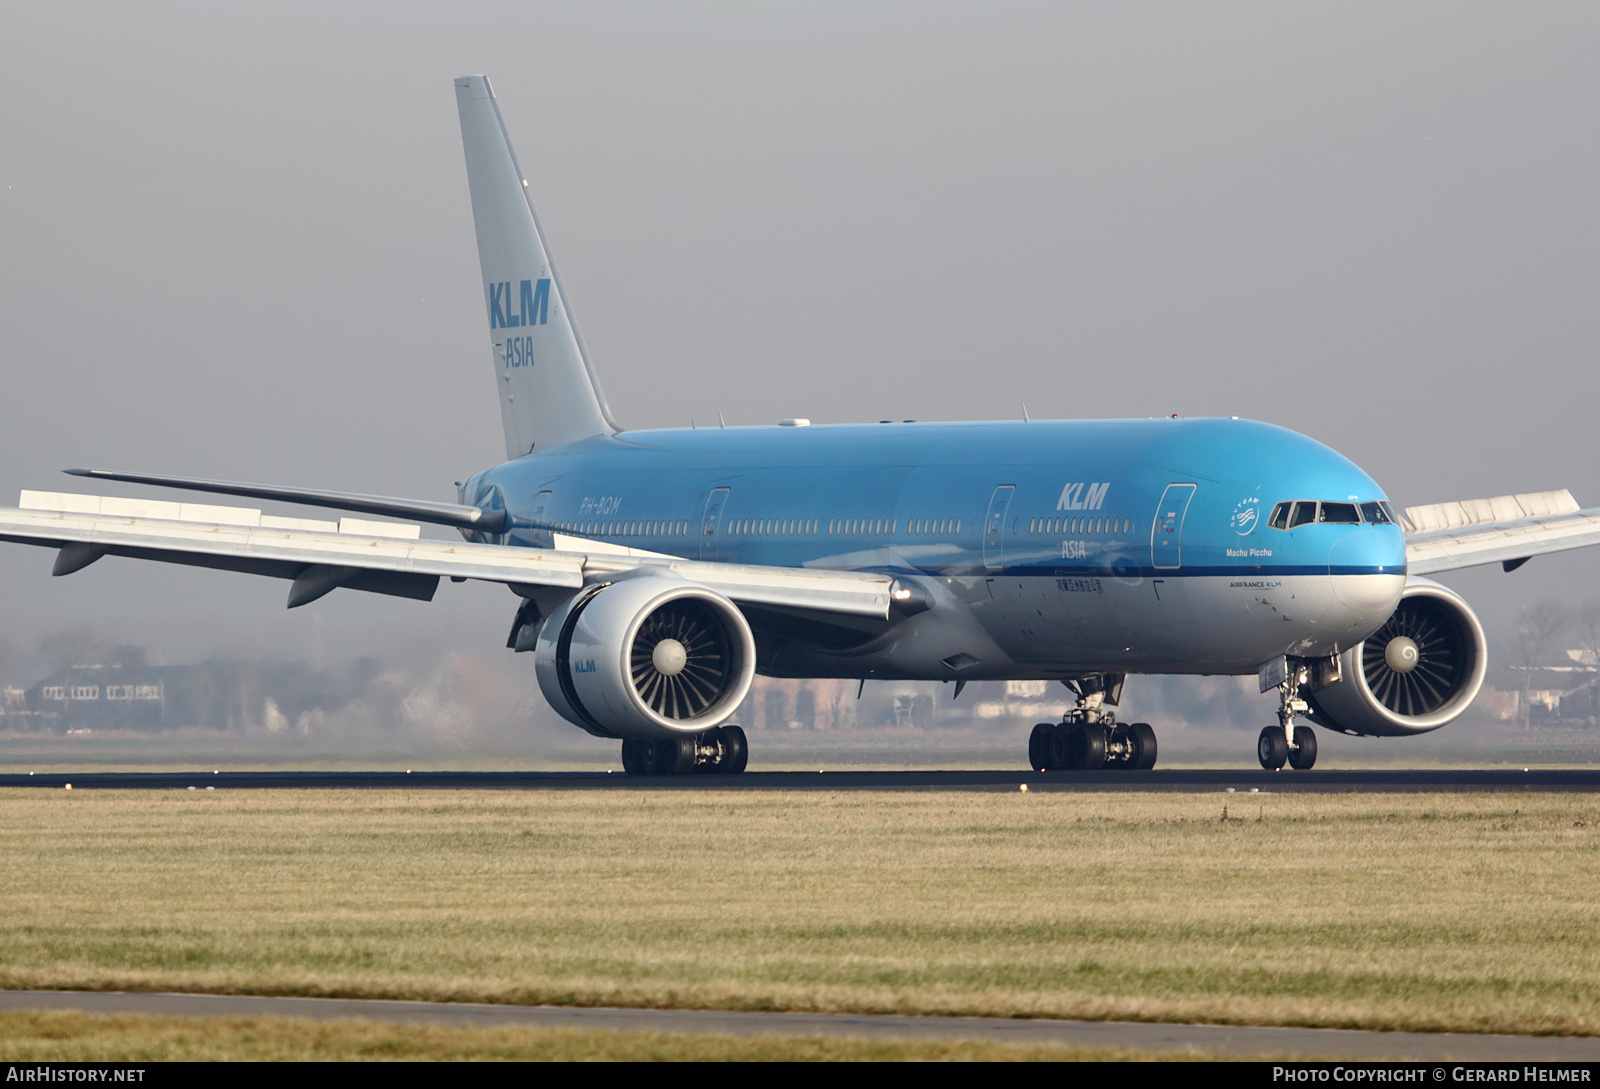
x,y
1463,535
317,560
859,593
283,553
1499,508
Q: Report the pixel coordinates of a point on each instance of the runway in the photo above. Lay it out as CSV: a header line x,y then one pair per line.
x,y
1234,1040
1201,781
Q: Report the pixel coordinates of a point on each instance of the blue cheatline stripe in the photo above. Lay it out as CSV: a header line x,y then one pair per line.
x,y
1058,571
782,553
764,554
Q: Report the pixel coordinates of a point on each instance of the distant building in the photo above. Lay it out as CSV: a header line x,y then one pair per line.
x,y
92,697
216,694
786,704
1568,693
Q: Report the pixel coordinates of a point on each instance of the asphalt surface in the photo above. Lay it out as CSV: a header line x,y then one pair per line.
x,y
1236,1040
1242,781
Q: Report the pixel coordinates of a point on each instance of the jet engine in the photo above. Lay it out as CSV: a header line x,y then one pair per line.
x,y
645,657
1414,674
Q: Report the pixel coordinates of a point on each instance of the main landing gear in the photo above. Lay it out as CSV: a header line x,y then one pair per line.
x,y
721,751
1286,742
1089,737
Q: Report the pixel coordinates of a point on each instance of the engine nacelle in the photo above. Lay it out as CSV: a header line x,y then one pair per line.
x,y
1414,674
646,657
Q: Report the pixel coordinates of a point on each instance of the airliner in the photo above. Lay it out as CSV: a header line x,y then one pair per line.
x,y
655,572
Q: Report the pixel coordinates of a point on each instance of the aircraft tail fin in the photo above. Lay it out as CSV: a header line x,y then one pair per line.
x,y
549,394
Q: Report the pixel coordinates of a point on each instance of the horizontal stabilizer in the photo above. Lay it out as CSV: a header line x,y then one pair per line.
x,y
443,514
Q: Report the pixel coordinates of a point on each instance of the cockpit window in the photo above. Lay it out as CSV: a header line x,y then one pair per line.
x,y
1378,514
1303,512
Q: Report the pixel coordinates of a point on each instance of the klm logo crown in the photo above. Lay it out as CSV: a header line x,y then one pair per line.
x,y
533,304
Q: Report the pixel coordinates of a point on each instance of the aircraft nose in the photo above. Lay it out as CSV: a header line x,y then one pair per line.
x,y
1370,550
1368,568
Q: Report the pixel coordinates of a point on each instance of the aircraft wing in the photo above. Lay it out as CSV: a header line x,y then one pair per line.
x,y
387,557
1507,529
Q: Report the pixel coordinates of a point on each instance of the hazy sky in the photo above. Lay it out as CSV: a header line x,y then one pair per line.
x,y
235,241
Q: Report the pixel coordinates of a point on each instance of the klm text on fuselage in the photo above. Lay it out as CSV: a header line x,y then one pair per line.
x,y
1081,496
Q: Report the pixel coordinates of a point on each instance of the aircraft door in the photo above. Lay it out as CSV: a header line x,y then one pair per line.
x,y
994,527
711,524
1166,535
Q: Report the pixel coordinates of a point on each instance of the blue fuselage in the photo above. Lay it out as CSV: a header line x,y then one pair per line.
x,y
1124,545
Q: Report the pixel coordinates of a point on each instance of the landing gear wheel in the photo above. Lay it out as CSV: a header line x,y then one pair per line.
x,y
735,751
1304,753
633,760
1271,749
1039,747
653,753
670,756
1060,753
1144,747
1086,748
682,758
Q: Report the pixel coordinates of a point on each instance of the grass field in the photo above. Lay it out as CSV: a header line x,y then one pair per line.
x,y
1437,912
77,1037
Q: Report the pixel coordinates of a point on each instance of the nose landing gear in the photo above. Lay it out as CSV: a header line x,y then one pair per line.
x,y
1286,742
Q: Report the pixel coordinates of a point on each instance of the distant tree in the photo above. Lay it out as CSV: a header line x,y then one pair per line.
x,y
128,656
1537,628
362,673
74,646
1588,620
